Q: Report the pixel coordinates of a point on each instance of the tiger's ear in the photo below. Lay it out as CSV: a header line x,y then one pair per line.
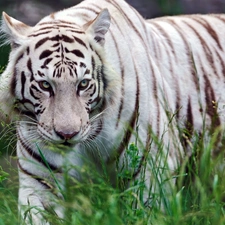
x,y
99,26
14,31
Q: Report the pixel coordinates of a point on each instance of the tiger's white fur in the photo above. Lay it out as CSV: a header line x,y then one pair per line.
x,y
130,70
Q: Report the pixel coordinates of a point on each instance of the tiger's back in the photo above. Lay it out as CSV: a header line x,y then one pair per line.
x,y
90,84
193,48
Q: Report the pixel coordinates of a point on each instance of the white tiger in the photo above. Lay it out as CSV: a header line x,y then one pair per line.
x,y
84,78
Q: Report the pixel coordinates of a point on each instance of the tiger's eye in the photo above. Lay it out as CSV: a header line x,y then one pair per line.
x,y
83,84
44,85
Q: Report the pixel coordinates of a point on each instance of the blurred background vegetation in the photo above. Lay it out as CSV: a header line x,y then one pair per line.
x,y
31,11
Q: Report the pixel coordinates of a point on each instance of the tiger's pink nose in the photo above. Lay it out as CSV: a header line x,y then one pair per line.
x,y
66,135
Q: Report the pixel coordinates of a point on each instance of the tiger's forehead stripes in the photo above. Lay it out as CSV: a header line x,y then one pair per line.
x,y
76,52
59,23
54,25
40,73
56,38
65,54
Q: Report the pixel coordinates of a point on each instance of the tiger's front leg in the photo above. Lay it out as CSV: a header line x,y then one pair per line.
x,y
36,201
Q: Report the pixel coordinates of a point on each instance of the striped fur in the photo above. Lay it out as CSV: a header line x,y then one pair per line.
x,y
84,78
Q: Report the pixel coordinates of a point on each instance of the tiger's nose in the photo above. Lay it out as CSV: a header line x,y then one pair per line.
x,y
66,135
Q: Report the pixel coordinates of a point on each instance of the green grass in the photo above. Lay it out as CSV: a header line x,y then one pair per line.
x,y
196,199
8,197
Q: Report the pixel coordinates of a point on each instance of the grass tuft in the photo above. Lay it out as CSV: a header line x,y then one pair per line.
x,y
193,195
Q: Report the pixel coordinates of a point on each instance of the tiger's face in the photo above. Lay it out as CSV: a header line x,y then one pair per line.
x,y
58,83
59,80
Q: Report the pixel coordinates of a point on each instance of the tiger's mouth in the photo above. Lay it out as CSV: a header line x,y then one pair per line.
x,y
59,145
67,144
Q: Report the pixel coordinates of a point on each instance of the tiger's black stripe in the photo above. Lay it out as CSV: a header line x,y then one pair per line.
x,y
78,40
131,123
45,54
189,125
14,81
34,155
32,92
222,63
29,66
41,42
38,34
122,72
209,30
206,48
78,53
38,179
211,110
23,82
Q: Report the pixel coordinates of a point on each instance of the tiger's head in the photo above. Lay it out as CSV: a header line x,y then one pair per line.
x,y
58,77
